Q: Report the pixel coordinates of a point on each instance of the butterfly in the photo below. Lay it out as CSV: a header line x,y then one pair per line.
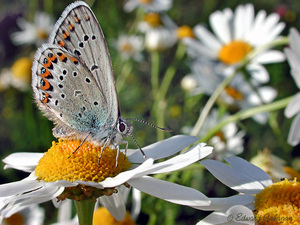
x,y
73,81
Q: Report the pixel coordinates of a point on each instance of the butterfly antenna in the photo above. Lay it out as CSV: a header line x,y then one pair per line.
x,y
143,153
150,124
79,145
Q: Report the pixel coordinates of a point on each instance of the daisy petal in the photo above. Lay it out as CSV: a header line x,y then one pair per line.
x,y
271,56
207,38
22,161
258,72
222,203
214,218
220,26
294,133
18,187
196,153
170,192
162,149
293,107
115,205
243,179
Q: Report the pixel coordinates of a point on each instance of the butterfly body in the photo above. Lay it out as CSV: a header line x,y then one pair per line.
x,y
73,82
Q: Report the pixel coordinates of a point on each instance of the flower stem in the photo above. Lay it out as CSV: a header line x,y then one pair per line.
x,y
241,115
85,211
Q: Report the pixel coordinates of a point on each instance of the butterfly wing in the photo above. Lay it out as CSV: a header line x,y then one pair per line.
x,y
68,94
79,32
87,107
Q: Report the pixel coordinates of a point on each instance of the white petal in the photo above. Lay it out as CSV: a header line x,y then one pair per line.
x,y
220,25
22,161
115,205
258,72
271,56
123,177
196,153
293,107
196,48
294,133
65,211
162,149
242,179
171,192
136,203
207,38
224,203
18,187
214,218
241,214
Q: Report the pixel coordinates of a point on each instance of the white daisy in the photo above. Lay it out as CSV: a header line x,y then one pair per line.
x,y
33,215
158,37
56,173
33,33
130,47
237,34
148,5
18,76
268,201
241,94
293,108
271,164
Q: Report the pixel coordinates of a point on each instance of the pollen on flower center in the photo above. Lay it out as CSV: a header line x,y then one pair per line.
x,y
279,203
59,163
15,219
103,217
184,31
234,52
145,1
234,93
153,19
127,47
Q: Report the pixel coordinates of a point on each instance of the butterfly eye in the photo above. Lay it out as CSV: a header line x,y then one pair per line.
x,y
122,127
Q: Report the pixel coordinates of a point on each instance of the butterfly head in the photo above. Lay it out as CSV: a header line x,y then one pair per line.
x,y
124,128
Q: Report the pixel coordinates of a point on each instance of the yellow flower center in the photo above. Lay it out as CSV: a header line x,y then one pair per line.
x,y
15,219
103,217
184,31
21,69
279,204
220,134
234,93
234,52
127,47
42,34
59,163
153,19
145,1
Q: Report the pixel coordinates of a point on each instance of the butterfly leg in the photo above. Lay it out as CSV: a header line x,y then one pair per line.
x,y
102,149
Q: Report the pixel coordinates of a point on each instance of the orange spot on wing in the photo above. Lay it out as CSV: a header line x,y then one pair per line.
x,y
61,43
71,27
46,85
46,74
66,34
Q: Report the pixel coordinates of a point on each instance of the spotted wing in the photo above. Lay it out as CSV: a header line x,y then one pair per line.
x,y
68,93
79,32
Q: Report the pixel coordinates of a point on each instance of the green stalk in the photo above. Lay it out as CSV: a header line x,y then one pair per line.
x,y
85,211
245,114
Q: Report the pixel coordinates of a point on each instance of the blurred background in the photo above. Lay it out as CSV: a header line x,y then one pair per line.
x,y
23,128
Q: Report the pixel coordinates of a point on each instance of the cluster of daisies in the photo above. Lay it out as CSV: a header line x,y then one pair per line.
x,y
229,56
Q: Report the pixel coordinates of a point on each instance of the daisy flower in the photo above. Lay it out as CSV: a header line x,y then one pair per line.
x,y
33,33
18,76
270,203
33,215
206,75
293,108
148,5
158,37
130,47
237,34
271,164
59,174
